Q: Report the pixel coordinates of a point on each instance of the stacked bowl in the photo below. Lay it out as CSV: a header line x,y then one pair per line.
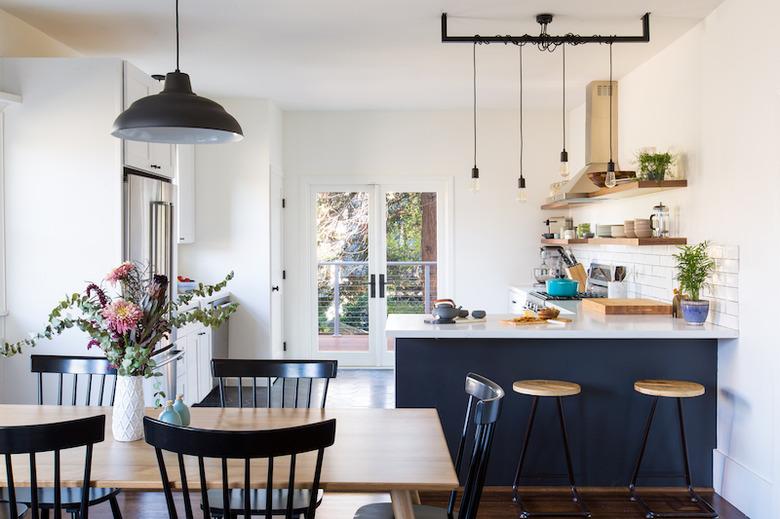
x,y
642,228
628,229
603,231
618,231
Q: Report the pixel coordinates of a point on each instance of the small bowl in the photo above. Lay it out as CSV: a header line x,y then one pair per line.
x,y
548,236
478,314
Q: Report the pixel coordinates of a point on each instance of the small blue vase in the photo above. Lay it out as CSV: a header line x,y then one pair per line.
x,y
184,412
169,415
695,312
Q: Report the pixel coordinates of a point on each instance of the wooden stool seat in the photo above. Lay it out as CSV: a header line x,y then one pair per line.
x,y
669,388
546,388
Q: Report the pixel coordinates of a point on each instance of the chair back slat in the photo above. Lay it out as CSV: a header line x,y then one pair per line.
x,y
483,409
74,365
166,484
291,371
51,437
244,445
185,488
316,486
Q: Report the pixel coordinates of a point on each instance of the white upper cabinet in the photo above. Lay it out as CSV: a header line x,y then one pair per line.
x,y
185,178
156,158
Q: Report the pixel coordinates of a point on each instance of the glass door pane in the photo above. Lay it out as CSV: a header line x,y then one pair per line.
x,y
411,252
343,289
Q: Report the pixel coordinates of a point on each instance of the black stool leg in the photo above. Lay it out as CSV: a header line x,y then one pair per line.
x,y
516,483
524,512
706,509
575,495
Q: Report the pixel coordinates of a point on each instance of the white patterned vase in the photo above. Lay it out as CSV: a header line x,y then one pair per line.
x,y
128,415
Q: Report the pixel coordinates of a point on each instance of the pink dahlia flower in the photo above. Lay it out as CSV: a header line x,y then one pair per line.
x,y
122,316
120,273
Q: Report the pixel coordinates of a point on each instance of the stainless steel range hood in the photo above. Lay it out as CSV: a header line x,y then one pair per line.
x,y
596,142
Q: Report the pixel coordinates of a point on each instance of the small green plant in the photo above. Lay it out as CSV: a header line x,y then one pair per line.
x,y
694,267
654,166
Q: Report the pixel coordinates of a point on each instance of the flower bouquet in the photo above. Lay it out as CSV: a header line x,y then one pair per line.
x,y
127,327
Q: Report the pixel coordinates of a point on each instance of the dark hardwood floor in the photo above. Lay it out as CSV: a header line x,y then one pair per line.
x,y
375,388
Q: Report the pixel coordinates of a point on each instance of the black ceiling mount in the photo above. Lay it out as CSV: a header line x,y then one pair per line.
x,y
547,40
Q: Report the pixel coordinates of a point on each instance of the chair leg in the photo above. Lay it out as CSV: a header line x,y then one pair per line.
x,y
524,450
575,495
645,435
116,513
706,510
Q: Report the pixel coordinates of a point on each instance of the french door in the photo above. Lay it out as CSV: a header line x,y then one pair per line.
x,y
376,249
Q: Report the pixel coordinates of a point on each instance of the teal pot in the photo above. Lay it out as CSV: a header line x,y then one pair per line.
x,y
181,408
169,415
561,287
695,312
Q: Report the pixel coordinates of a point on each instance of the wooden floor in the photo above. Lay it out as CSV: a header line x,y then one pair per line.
x,y
496,504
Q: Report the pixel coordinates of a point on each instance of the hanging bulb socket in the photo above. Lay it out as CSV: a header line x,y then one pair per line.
x,y
522,192
475,172
564,156
521,183
474,179
610,180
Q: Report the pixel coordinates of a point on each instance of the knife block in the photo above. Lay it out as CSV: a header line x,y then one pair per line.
x,y
578,274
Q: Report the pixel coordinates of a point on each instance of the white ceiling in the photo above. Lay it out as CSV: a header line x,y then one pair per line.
x,y
362,54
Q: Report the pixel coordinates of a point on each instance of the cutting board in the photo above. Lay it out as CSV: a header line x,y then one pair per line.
x,y
608,306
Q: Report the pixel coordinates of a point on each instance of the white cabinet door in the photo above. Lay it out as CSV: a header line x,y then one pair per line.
x,y
205,382
153,157
136,87
185,178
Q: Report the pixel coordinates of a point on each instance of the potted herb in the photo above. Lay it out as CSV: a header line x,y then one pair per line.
x,y
694,267
127,323
654,166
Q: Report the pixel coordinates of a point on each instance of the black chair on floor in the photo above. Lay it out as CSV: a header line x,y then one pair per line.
x,y
5,511
246,446
53,437
484,404
95,370
289,371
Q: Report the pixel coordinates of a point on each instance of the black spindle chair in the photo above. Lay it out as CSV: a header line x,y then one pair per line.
x,y
39,438
483,409
89,367
96,370
289,371
246,501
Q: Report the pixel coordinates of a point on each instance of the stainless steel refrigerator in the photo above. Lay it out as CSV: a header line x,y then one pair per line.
x,y
148,221
148,241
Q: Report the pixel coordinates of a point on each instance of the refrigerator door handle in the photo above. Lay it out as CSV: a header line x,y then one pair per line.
x,y
160,253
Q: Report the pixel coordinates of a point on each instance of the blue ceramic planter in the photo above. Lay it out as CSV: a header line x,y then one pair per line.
x,y
695,312
169,415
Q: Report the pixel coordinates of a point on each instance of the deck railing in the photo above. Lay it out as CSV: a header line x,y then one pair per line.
x,y
343,293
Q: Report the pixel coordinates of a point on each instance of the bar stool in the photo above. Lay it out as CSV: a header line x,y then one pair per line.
x,y
556,389
678,389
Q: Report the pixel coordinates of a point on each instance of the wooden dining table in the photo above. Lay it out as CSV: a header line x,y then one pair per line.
x,y
400,451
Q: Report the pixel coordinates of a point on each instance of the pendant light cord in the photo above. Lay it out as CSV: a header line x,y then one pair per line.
x,y
563,95
521,110
177,36
474,65
610,102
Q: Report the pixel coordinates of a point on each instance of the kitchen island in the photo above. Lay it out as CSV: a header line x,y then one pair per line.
x,y
605,355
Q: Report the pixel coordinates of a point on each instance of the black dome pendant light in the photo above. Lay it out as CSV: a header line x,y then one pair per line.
x,y
177,115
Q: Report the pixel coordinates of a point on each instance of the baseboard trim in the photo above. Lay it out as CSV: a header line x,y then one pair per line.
x,y
747,490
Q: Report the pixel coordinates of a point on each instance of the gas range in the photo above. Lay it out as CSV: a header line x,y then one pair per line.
x,y
537,299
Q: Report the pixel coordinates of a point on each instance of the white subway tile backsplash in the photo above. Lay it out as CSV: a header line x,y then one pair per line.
x,y
651,273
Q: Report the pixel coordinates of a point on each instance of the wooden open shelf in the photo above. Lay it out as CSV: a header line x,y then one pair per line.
x,y
635,242
629,189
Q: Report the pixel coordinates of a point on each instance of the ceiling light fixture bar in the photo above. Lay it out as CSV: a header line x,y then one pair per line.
x,y
547,39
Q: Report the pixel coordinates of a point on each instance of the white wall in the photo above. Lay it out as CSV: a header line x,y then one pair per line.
x,y
714,97
495,238
232,228
20,39
63,196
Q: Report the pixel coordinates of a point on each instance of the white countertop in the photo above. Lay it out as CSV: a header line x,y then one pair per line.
x,y
585,325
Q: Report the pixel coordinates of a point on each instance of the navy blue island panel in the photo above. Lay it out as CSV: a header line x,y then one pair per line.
x,y
604,422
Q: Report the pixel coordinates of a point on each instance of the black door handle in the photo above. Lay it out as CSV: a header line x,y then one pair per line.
x,y
382,285
372,286
275,288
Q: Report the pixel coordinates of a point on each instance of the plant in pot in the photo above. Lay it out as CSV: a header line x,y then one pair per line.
x,y
127,323
654,166
694,267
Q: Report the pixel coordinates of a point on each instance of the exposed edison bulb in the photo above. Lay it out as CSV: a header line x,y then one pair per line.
x,y
474,186
522,192
610,180
564,170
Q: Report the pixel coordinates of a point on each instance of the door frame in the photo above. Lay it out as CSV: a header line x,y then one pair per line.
x,y
376,185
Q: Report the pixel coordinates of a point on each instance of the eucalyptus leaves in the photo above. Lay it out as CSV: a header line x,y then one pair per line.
x,y
128,326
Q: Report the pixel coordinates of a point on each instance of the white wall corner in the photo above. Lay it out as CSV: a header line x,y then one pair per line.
x,y
750,492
